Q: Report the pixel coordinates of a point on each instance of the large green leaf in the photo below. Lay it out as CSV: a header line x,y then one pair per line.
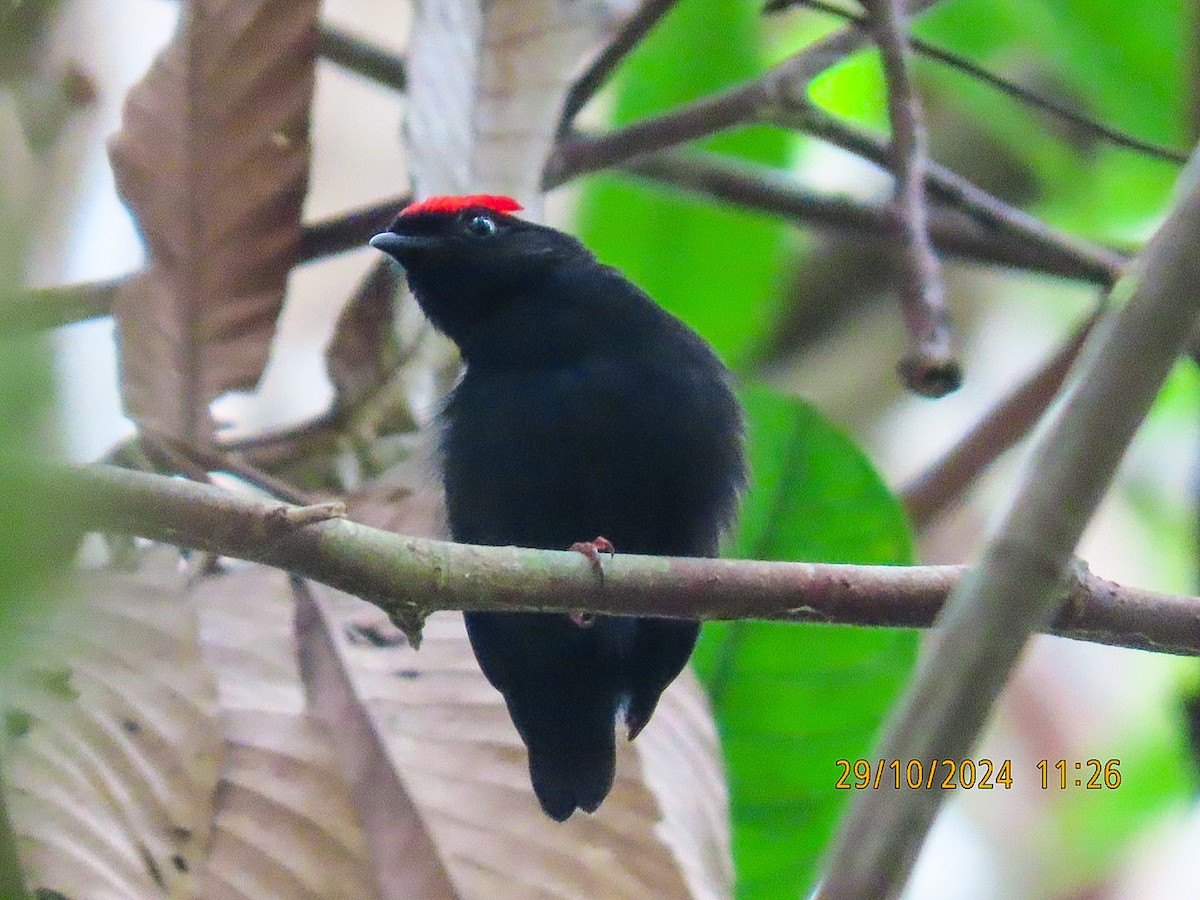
x,y
718,268
790,700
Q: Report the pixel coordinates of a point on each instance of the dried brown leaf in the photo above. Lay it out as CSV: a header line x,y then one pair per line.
x,y
457,758
407,863
683,766
140,775
213,159
364,350
286,826
111,790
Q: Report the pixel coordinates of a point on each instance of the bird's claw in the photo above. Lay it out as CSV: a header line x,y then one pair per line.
x,y
592,550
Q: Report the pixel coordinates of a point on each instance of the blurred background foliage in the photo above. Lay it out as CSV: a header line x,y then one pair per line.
x,y
31,548
802,314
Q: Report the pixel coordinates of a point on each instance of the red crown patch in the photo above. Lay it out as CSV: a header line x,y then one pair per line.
x,y
493,202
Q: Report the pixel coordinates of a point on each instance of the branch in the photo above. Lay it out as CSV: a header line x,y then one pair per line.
x,y
410,577
635,28
349,230
954,190
777,97
1018,583
52,307
931,492
929,368
362,58
769,191
49,307
745,104
1022,94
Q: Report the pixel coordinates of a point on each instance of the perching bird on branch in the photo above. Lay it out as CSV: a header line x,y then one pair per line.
x,y
585,409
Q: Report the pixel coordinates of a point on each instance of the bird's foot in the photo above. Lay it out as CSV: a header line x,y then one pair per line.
x,y
592,550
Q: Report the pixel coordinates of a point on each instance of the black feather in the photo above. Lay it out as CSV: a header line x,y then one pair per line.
x,y
585,410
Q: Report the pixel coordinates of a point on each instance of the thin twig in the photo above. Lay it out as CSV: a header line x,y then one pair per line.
x,y
770,191
215,460
929,368
744,104
594,77
51,307
149,452
349,230
362,58
766,100
952,189
1045,104
991,614
167,455
934,490
281,447
406,576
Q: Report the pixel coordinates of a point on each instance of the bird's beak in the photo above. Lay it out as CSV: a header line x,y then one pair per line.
x,y
400,245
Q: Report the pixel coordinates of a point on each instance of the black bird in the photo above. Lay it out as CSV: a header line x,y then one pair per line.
x,y
584,410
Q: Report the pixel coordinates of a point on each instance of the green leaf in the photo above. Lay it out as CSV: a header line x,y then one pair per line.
x,y
717,268
791,700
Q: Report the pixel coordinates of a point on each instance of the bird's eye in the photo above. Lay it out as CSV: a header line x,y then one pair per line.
x,y
481,226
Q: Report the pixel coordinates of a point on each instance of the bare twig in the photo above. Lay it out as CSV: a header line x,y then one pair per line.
x,y
745,104
349,230
281,447
407,576
931,492
635,28
168,455
947,186
630,146
779,97
362,58
929,367
354,54
769,191
214,460
52,307
1031,98
149,452
991,614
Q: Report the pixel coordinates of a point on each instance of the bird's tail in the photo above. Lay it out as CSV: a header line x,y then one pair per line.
x,y
573,768
563,684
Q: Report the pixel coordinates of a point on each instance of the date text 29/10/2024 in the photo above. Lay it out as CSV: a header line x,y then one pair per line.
x,y
982,774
